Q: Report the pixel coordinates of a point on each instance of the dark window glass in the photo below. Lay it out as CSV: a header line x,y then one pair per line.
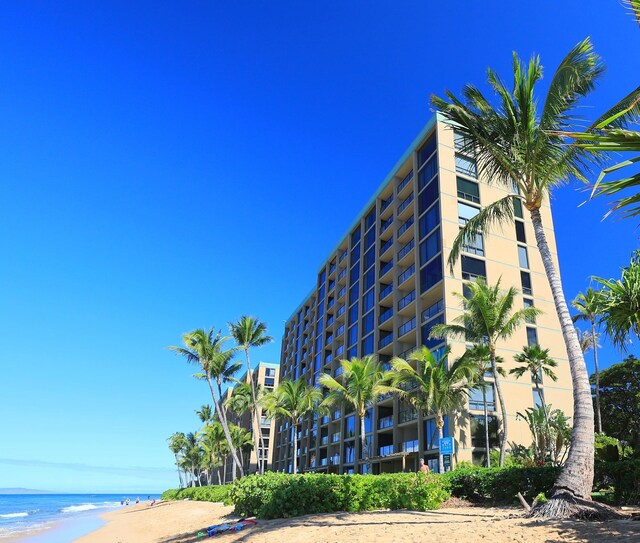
x,y
468,190
355,254
520,232
429,220
478,434
426,150
426,174
368,300
370,219
369,258
369,278
528,302
353,313
319,327
354,292
431,274
431,432
466,166
322,277
355,272
473,267
525,279
369,238
532,336
353,334
367,323
428,195
353,351
426,330
517,208
350,426
367,345
355,236
430,247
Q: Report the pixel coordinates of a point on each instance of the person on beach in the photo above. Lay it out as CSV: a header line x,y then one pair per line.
x,y
423,467
137,500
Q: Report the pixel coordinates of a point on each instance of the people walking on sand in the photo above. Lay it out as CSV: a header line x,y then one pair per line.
x,y
423,467
137,500
127,501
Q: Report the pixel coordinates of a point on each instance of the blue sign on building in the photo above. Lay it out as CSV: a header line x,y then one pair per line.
x,y
446,445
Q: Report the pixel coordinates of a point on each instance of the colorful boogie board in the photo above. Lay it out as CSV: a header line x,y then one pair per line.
x,y
229,527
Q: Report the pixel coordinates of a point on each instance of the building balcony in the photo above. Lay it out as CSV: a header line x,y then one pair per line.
x,y
385,422
407,415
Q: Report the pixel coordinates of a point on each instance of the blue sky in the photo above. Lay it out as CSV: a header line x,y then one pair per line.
x,y
164,167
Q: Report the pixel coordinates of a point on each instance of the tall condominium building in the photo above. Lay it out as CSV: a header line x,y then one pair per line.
x,y
265,377
383,288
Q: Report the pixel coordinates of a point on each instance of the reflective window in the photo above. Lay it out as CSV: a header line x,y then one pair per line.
x,y
523,257
355,236
520,236
426,174
472,268
367,323
353,334
468,190
369,279
466,166
369,258
354,293
429,220
367,345
370,219
428,196
475,245
517,208
466,212
350,426
353,313
532,336
426,150
369,238
367,300
354,275
430,247
525,279
431,274
478,433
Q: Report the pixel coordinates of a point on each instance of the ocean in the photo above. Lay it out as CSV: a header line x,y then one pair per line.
x,y
22,513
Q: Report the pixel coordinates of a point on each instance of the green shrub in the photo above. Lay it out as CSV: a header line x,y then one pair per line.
x,y
623,476
278,495
213,493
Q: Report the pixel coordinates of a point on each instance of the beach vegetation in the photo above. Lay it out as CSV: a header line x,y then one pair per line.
x,y
212,493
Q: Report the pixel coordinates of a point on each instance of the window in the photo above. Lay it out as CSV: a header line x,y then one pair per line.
x,y
520,232
355,236
349,452
426,174
429,220
368,322
466,212
478,434
367,344
525,279
350,426
353,334
426,330
472,268
538,397
370,219
475,398
355,272
466,166
367,301
431,274
517,208
369,258
430,247
428,195
426,150
523,258
355,253
431,432
532,336
528,302
353,313
354,292
270,372
468,190
369,238
463,143
475,245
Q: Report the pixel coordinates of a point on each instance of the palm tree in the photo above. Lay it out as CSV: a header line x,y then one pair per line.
x,y
536,361
250,332
480,357
207,351
193,457
588,306
488,318
518,147
242,440
361,384
215,445
177,444
292,400
587,341
437,389
205,414
240,400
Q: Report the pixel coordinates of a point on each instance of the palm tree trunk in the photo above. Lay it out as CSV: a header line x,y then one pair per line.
x,y
225,427
363,444
179,472
597,372
440,425
486,422
295,447
258,441
224,470
546,418
576,477
503,407
219,479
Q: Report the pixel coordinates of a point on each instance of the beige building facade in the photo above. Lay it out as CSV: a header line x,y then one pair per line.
x,y
384,287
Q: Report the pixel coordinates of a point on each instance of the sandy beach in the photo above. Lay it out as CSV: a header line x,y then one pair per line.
x,y
179,522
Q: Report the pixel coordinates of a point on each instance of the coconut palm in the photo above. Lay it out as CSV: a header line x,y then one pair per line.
x,y
250,332
621,304
293,400
242,440
516,145
240,401
480,357
434,388
588,306
207,350
488,319
215,445
535,361
587,341
205,414
361,384
177,444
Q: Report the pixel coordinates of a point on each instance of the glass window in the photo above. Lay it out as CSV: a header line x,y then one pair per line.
x,y
368,420
353,313
538,397
431,274
431,432
532,336
466,212
528,302
354,292
354,275
353,334
475,245
367,323
349,452
472,268
367,345
429,220
468,190
426,330
475,398
370,219
466,166
430,247
520,232
322,277
369,258
517,208
523,257
463,143
355,236
352,352
478,434
368,300
428,195
426,150
369,238
369,278
426,174
525,279
355,253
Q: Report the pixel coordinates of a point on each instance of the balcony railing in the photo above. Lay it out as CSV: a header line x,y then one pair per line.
x,y
387,449
405,181
386,224
406,274
410,446
406,249
334,460
406,353
335,437
385,422
385,315
384,247
477,405
407,415
385,290
433,310
342,273
407,327
408,385
405,203
386,203
324,461
384,341
406,225
385,267
406,300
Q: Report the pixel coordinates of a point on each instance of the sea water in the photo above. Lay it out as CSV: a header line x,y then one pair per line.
x,y
23,513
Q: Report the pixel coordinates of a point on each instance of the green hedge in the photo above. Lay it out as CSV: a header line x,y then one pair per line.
x,y
623,477
279,495
214,493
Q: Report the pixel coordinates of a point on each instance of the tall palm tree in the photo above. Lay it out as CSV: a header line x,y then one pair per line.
x,y
587,341
242,440
240,401
536,361
361,384
206,350
438,389
588,306
250,332
293,400
480,357
193,457
515,144
488,318
205,414
177,444
215,445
